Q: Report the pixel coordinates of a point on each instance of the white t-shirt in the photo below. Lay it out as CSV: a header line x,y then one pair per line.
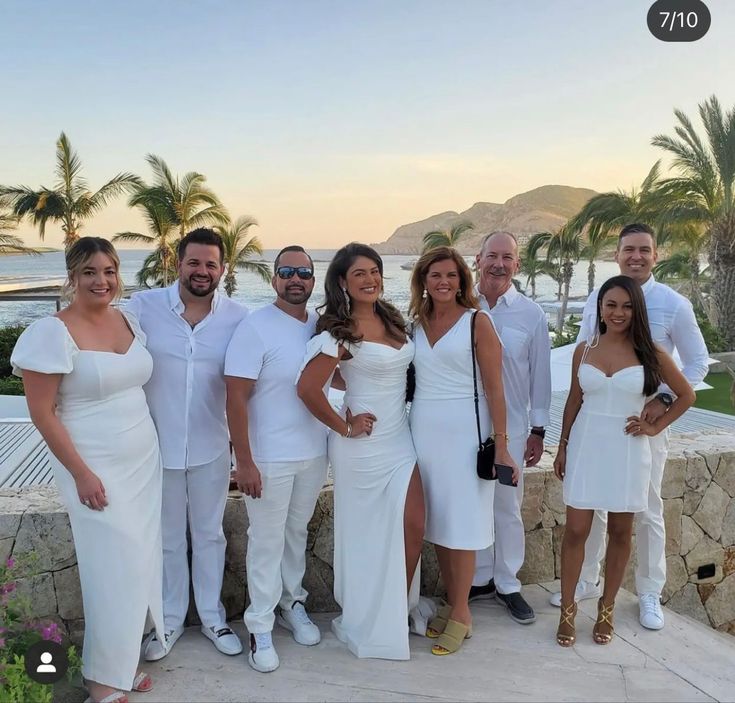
x,y
268,347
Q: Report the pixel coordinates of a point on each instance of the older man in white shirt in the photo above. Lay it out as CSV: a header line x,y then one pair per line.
x,y
673,326
523,329
281,454
188,327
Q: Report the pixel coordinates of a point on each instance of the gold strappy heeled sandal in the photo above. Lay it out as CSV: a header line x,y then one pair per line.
x,y
566,619
604,617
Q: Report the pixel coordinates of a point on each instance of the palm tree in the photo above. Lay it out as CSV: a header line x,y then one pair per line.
x,y
159,267
532,266
240,247
443,238
69,201
704,192
172,206
9,243
598,240
563,248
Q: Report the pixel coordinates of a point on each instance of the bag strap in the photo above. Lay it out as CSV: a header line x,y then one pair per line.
x,y
474,379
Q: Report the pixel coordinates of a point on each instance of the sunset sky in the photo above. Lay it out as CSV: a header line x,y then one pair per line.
x,y
330,121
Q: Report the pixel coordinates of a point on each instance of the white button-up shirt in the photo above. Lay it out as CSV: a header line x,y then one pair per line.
x,y
673,325
186,392
522,327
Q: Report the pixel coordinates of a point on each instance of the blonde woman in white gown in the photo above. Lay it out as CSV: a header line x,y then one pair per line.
x,y
83,371
378,499
604,457
459,504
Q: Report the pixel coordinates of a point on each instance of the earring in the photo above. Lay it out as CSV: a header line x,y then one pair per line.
x,y
347,299
424,294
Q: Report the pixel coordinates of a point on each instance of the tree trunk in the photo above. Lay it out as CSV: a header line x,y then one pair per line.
x,y
591,277
722,264
230,283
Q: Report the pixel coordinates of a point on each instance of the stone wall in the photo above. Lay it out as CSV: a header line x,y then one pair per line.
x,y
699,509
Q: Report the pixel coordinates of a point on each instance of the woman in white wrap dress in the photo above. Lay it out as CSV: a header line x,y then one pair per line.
x,y
378,501
84,371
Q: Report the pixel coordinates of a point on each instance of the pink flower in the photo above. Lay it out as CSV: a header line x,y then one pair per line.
x,y
10,563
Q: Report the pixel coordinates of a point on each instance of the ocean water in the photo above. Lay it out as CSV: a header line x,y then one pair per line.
x,y
251,290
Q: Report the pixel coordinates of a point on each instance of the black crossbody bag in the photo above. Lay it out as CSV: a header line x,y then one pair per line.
x,y
486,449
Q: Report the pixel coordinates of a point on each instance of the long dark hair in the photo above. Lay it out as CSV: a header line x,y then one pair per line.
x,y
421,307
639,330
334,314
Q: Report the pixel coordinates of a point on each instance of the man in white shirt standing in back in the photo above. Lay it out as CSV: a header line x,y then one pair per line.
x,y
522,327
673,326
280,449
188,326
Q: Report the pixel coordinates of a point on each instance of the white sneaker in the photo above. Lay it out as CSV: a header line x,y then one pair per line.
x,y
651,616
224,639
155,649
263,656
584,591
297,620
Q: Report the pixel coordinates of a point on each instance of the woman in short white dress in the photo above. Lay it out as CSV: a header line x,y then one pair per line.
x,y
459,504
83,371
604,456
378,500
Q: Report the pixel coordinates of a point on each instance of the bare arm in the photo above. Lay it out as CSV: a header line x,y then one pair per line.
x,y
247,475
311,391
685,397
490,360
571,410
41,390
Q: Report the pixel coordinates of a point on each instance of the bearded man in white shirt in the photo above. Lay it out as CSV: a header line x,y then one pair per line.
x,y
188,327
673,326
281,454
523,330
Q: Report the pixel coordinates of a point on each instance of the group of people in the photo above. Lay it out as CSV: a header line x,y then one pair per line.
x,y
139,406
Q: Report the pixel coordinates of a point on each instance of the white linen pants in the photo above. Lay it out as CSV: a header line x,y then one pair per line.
x,y
503,559
276,556
196,495
650,575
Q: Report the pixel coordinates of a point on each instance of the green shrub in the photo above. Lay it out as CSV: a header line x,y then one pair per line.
x,y
12,385
712,337
8,338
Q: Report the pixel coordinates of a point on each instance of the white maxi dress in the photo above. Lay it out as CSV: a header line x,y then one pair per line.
x,y
607,469
102,405
371,477
459,504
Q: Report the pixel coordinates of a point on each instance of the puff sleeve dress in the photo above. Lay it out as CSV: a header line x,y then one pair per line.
x,y
102,405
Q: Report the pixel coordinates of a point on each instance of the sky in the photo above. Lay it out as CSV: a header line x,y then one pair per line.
x,y
337,120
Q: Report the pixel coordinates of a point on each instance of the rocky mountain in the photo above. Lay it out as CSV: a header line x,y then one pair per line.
x,y
540,210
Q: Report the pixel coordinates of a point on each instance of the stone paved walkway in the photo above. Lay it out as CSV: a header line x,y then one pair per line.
x,y
504,661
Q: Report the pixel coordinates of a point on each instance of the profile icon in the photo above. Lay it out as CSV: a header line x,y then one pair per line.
x,y
46,667
46,662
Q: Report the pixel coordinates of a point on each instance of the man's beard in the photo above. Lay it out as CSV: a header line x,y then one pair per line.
x,y
294,296
200,292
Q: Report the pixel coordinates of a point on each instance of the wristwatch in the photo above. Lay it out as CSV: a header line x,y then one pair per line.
x,y
539,431
666,398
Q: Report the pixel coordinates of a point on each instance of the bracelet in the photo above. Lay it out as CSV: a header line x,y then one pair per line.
x,y
349,430
501,434
564,441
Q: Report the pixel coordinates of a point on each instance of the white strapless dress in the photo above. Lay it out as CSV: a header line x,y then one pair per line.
x,y
607,469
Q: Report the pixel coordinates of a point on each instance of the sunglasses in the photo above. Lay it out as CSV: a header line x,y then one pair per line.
x,y
303,272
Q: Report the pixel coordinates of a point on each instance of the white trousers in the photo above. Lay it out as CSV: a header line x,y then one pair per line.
x,y
503,559
195,495
650,574
276,556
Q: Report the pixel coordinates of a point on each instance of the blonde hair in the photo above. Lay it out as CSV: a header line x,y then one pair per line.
x,y
77,257
421,307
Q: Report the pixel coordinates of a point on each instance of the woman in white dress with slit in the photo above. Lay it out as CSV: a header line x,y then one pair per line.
x,y
378,500
604,456
459,504
83,371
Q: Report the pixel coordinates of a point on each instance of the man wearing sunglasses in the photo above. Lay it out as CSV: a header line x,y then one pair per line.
x,y
280,450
